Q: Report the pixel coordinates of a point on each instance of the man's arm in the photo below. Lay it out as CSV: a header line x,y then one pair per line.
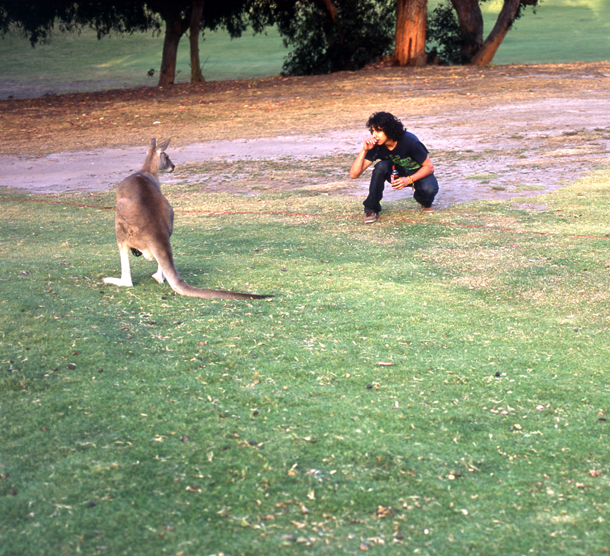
x,y
361,164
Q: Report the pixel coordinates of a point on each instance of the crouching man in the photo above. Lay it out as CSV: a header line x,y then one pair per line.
x,y
403,161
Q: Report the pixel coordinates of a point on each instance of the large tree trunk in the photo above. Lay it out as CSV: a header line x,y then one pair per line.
x,y
504,22
174,29
329,7
410,45
195,26
470,19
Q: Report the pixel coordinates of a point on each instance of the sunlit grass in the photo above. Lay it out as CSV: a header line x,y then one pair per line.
x,y
73,62
424,384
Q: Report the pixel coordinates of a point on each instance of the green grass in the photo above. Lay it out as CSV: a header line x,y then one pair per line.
x,y
72,62
560,31
425,385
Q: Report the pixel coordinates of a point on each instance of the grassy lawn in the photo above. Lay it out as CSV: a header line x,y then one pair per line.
x,y
560,31
428,385
71,62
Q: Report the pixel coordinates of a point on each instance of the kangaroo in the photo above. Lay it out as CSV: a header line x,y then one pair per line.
x,y
144,223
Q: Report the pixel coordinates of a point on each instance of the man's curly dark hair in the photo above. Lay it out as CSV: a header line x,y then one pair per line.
x,y
388,123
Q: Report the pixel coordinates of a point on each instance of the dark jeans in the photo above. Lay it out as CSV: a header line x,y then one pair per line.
x,y
424,193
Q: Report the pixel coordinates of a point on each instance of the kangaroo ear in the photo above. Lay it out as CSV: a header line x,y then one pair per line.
x,y
164,145
153,143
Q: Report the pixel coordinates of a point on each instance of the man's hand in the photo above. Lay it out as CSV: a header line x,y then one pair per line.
x,y
399,183
369,144
426,169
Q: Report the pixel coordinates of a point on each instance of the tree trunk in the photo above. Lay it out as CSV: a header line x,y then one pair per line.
x,y
330,7
410,45
331,10
196,14
470,19
174,29
495,38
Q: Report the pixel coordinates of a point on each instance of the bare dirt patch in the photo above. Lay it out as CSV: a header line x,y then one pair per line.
x,y
496,132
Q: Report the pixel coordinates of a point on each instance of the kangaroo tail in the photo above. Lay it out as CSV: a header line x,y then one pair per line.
x,y
177,283
183,288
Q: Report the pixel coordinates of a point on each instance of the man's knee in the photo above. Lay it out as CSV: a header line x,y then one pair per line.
x,y
428,185
426,190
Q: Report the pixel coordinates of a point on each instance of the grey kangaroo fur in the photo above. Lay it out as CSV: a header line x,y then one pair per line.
x,y
144,223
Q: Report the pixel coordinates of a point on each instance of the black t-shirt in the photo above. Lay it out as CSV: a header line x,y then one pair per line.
x,y
409,152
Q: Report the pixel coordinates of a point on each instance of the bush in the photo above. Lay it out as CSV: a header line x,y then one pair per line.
x,y
444,36
365,31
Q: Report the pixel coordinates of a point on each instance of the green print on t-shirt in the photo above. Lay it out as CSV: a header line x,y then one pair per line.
x,y
406,163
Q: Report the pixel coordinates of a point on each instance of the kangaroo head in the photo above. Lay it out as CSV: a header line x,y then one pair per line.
x,y
164,162
157,159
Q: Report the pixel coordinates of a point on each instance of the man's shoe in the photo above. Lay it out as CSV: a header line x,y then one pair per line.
x,y
370,217
427,209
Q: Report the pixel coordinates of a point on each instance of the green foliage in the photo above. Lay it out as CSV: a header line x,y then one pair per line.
x,y
37,20
444,37
364,31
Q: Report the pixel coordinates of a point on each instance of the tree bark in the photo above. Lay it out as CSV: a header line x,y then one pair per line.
x,y
410,45
331,10
504,22
330,7
195,26
174,29
470,19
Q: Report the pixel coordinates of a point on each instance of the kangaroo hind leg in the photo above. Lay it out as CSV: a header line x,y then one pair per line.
x,y
125,279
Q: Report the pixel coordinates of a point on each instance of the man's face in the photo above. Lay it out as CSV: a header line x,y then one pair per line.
x,y
379,136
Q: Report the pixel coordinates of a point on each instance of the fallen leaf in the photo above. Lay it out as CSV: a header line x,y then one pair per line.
x,y
384,512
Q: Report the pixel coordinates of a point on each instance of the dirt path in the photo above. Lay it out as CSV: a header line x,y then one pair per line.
x,y
493,132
